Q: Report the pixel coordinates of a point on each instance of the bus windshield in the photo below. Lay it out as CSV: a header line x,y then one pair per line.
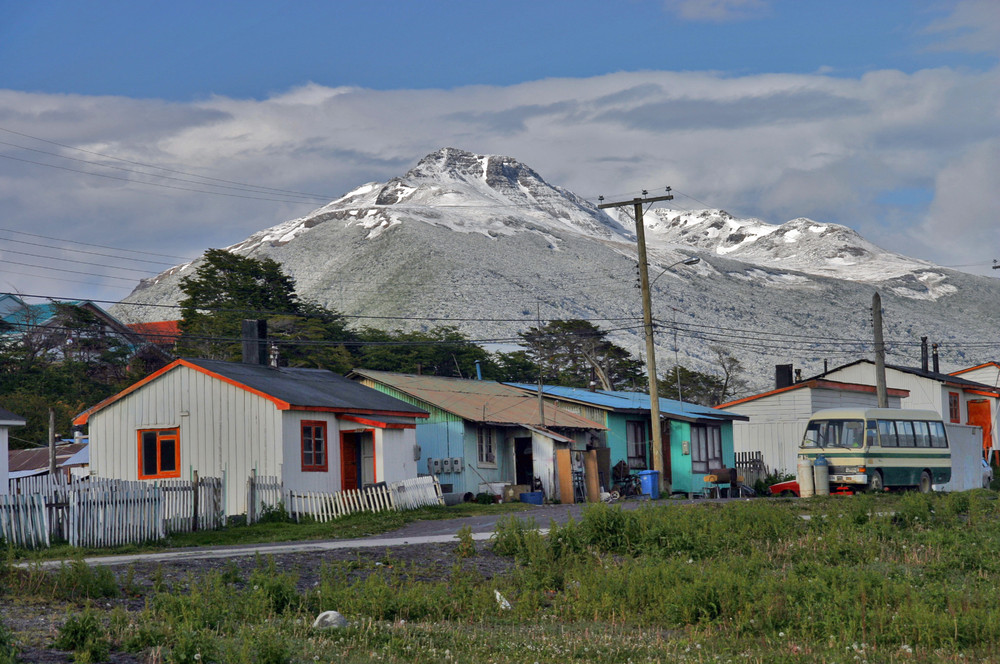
x,y
835,433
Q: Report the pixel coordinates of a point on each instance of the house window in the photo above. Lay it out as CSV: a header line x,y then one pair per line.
x,y
706,448
954,409
635,437
487,452
159,453
314,456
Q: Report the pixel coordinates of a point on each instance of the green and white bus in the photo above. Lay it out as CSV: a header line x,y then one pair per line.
x,y
878,448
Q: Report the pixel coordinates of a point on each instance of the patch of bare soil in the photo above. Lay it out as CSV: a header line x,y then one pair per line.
x,y
36,623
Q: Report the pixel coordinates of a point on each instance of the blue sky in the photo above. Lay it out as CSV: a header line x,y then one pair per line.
x,y
882,116
187,50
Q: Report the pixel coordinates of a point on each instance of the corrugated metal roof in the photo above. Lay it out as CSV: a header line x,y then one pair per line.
x,y
316,388
637,402
38,458
483,401
299,389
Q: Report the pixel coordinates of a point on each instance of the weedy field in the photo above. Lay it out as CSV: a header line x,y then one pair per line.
x,y
871,578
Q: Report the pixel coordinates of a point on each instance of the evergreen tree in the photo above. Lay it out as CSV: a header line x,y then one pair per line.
x,y
575,352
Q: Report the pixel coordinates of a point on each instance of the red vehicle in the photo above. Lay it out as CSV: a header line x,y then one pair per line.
x,y
789,488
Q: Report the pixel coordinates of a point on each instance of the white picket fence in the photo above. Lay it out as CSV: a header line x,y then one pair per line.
x,y
101,517
268,492
24,521
102,512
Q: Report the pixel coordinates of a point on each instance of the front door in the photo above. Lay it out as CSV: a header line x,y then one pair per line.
x,y
980,416
349,453
524,471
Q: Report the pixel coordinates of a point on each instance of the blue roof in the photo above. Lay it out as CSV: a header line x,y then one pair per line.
x,y
631,401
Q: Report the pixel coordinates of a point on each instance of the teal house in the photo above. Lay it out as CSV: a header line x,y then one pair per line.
x,y
696,439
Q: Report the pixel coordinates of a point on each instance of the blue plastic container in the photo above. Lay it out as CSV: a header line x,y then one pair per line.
x,y
649,483
532,497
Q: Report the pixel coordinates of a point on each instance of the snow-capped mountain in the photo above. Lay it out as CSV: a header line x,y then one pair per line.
x,y
485,244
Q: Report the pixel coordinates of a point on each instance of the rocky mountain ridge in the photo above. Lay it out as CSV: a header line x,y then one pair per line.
x,y
484,243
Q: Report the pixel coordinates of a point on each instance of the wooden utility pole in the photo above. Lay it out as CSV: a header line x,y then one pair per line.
x,y
52,442
647,320
883,395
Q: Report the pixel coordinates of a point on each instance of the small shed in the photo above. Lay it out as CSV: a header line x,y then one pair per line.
x,y
311,428
7,420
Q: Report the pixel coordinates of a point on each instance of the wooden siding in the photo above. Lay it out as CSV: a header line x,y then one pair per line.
x,y
225,431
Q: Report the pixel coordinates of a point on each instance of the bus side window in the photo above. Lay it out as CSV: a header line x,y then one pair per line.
x,y
887,433
905,430
938,437
852,434
871,433
922,434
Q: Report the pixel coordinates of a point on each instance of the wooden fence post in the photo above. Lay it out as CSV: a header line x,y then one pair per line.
x,y
252,506
194,517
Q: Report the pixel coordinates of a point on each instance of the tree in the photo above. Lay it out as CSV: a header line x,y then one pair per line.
x,y
441,351
575,352
733,381
228,288
695,387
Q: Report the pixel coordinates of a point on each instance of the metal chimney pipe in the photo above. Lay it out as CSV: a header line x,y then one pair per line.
x,y
923,353
937,364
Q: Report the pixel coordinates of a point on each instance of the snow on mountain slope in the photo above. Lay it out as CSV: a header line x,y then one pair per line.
x,y
484,243
802,245
463,192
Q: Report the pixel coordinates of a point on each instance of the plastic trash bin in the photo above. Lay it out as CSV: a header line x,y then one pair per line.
x,y
649,483
532,497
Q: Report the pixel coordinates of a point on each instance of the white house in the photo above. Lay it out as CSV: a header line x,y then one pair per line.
x,y
7,420
778,418
960,401
315,430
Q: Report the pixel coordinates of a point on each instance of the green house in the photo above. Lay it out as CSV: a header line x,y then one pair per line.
x,y
696,440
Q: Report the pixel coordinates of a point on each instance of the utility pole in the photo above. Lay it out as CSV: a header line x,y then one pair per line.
x,y
883,395
647,320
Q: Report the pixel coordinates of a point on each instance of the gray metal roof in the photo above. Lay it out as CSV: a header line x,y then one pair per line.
x,y
290,388
10,419
317,388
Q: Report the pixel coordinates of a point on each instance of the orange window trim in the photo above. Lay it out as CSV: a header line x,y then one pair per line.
x,y
314,467
175,434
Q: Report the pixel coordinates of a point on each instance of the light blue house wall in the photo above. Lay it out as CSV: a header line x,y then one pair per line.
x,y
446,435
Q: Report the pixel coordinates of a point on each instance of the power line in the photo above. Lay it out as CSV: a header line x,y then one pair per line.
x,y
99,246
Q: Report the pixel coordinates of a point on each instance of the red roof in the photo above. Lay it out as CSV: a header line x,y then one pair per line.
x,y
164,332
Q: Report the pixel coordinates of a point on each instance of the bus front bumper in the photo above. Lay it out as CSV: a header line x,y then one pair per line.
x,y
857,478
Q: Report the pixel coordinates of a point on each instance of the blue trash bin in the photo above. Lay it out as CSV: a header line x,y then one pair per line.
x,y
649,483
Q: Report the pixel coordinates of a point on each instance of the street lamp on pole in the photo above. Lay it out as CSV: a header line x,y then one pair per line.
x,y
693,260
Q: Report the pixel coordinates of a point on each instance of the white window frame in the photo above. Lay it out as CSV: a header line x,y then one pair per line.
x,y
637,444
486,446
706,448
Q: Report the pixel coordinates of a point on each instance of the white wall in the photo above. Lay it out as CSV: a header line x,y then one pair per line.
x,y
223,430
966,452
292,473
394,454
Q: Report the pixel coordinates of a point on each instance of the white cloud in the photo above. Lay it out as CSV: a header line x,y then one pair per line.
x,y
717,10
772,146
972,26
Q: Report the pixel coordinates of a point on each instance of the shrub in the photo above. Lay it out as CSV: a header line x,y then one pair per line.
x,y
85,636
8,646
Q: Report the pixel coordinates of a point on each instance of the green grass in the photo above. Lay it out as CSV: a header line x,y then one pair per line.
x,y
873,578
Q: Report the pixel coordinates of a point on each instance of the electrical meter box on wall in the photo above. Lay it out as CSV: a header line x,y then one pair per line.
x,y
434,466
446,465
456,464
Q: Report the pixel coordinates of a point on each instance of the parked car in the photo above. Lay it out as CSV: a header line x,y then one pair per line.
x,y
789,488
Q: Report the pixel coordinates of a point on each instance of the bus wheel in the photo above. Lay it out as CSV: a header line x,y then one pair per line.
x,y
875,483
925,482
